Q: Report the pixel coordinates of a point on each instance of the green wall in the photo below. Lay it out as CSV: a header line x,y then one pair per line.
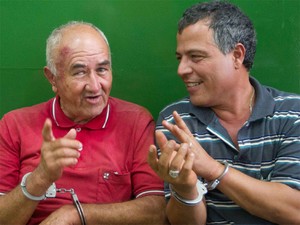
x,y
142,38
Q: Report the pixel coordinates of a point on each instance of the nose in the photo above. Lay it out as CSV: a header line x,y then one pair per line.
x,y
184,67
94,82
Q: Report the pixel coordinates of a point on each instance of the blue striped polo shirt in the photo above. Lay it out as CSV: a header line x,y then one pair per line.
x,y
269,146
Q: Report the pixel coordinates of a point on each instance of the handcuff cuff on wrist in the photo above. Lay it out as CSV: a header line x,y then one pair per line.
x,y
201,192
51,193
202,188
211,185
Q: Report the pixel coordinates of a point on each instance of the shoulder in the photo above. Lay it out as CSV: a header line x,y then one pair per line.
x,y
28,115
181,106
284,100
119,106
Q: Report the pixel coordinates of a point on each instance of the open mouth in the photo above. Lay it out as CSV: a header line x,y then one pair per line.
x,y
192,84
93,99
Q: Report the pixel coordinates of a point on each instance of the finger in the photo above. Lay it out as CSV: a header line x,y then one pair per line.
x,y
71,134
179,158
152,158
188,165
180,134
161,139
68,161
181,124
47,131
167,154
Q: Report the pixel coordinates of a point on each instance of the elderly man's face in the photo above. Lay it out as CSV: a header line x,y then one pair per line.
x,y
84,75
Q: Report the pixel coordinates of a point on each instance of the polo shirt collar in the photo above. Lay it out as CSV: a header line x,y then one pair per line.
x,y
264,102
61,120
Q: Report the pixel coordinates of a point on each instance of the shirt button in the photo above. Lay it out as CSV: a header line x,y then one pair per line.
x,y
78,129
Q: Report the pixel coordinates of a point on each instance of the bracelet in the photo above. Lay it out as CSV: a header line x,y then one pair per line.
x,y
51,192
211,185
201,192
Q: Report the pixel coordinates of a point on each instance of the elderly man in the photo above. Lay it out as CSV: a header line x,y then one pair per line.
x,y
233,140
79,158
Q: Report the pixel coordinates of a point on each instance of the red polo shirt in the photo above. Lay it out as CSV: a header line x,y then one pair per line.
x,y
112,166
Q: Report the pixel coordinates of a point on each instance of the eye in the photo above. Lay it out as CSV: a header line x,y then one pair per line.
x,y
79,73
102,70
197,58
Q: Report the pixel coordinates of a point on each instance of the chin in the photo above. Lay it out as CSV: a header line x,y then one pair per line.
x,y
197,101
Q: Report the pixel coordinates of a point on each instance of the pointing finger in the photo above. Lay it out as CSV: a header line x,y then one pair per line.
x,y
47,131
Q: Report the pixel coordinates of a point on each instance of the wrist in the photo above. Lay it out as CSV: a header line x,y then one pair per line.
x,y
201,191
38,194
212,184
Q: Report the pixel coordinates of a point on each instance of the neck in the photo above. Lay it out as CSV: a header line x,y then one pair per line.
x,y
251,102
237,108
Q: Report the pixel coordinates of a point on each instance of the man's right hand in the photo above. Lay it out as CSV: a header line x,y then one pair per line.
x,y
57,153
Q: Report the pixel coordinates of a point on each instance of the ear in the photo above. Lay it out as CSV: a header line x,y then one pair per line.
x,y
239,52
51,78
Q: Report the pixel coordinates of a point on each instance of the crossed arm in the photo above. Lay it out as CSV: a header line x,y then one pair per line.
x,y
272,201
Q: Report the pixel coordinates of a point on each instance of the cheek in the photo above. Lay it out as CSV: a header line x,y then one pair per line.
x,y
70,88
107,84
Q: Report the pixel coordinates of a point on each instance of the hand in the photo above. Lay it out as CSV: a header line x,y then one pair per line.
x,y
57,153
66,215
174,157
204,165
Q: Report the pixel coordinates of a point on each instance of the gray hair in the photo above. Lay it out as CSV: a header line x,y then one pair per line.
x,y
55,38
229,24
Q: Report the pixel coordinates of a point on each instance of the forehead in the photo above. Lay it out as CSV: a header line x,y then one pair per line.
x,y
81,39
198,34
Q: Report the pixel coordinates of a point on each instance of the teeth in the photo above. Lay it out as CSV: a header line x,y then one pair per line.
x,y
192,84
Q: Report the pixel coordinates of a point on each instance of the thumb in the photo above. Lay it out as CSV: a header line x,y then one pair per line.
x,y
152,158
47,131
71,134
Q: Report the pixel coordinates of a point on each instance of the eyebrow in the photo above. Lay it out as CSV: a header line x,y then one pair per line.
x,y
192,51
104,63
78,66
82,65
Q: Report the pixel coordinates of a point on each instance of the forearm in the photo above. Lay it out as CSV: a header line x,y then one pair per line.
x,y
274,202
16,201
13,202
148,209
178,213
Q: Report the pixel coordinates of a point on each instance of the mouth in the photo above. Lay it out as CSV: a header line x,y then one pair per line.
x,y
192,84
93,99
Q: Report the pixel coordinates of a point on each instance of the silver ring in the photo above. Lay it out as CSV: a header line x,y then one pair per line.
x,y
174,173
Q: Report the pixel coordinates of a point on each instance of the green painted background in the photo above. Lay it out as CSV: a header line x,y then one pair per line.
x,y
142,38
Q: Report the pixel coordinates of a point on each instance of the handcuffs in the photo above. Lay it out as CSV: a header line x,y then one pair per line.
x,y
51,193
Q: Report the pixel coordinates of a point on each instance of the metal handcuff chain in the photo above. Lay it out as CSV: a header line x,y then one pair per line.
x,y
51,193
75,201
